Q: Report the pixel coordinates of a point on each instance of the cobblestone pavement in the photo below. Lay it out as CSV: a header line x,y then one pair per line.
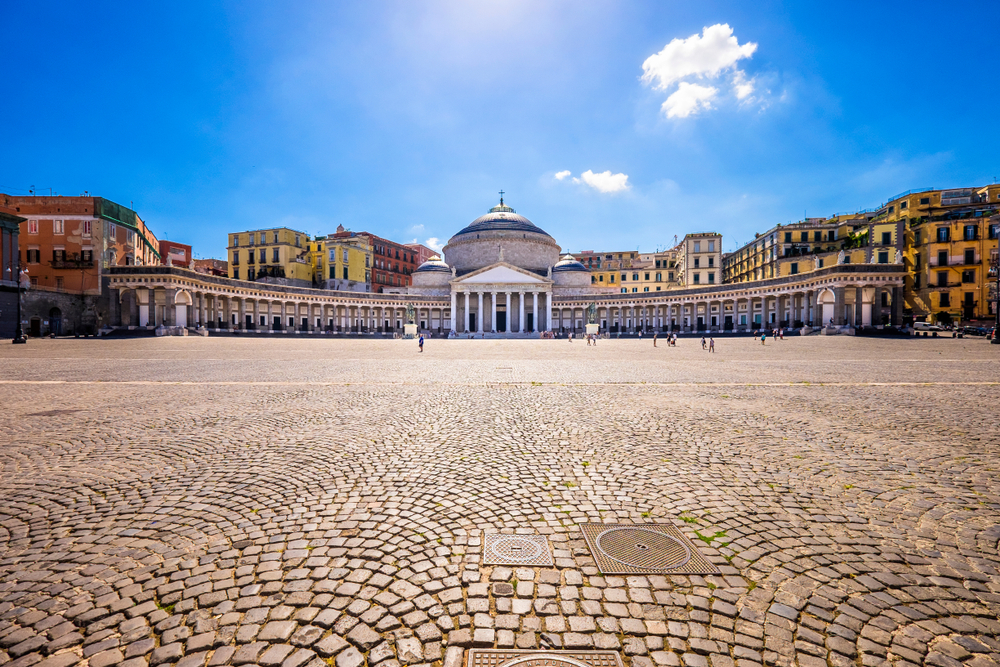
x,y
298,503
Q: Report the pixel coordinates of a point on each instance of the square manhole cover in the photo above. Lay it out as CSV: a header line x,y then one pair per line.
x,y
643,548
531,550
513,658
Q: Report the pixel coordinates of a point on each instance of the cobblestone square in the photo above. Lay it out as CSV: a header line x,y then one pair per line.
x,y
301,502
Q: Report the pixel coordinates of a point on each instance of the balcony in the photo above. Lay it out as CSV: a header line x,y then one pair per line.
x,y
72,263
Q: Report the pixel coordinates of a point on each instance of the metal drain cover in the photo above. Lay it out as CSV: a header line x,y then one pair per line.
x,y
513,658
643,548
530,550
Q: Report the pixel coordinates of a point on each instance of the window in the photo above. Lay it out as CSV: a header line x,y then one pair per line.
x,y
788,237
345,255
645,289
274,255
87,227
624,290
236,240
345,273
817,236
236,274
697,262
275,237
647,276
971,232
943,258
916,261
34,281
236,257
635,276
942,278
711,277
711,261
34,256
298,241
697,246
57,226
32,226
635,289
904,204
831,235
945,299
624,277
805,237
59,282
250,274
886,238
924,201
795,268
891,209
916,237
670,276
883,257
659,277
711,246
129,237
916,281
969,276
611,278
263,238
942,234
970,255
333,255
263,255
994,231
697,278
87,255
657,263
58,254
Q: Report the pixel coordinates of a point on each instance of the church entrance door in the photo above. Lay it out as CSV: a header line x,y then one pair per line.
x,y
472,321
530,317
501,320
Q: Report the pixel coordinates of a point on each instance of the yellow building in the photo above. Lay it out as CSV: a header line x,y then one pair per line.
x,y
607,268
342,262
950,241
270,253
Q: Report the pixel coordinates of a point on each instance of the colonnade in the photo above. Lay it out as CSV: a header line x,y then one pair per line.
x,y
509,310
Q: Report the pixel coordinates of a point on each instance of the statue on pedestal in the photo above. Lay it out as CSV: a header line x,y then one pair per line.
x,y
840,257
592,313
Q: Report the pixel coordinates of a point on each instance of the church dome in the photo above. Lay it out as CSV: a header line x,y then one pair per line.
x,y
435,263
501,218
569,263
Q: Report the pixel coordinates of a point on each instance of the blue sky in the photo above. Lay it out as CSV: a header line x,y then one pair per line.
x,y
406,118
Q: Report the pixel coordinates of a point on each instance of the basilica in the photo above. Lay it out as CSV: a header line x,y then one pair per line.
x,y
502,273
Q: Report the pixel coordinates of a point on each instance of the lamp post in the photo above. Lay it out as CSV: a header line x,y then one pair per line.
x,y
22,283
995,273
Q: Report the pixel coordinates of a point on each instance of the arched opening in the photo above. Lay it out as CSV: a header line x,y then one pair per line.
x,y
182,300
827,300
55,321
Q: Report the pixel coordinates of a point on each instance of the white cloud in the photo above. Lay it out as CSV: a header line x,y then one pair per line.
x,y
434,244
707,55
742,86
562,174
605,181
689,98
416,229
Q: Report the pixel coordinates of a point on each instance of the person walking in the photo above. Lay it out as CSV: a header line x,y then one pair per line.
x,y
703,342
421,342
763,336
711,345
654,339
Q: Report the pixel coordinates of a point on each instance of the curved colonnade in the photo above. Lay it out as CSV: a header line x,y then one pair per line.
x,y
841,296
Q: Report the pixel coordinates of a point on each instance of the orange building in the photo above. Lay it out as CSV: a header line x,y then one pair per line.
x,y
175,254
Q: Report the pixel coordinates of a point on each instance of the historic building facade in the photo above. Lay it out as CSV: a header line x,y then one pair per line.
x,y
504,274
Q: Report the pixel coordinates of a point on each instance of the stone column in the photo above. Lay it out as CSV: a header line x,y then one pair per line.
x,y
894,309
510,313
548,311
479,314
520,308
454,309
493,308
534,312
838,307
858,305
877,307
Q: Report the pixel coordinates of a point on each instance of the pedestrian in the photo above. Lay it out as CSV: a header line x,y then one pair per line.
x,y
421,342
781,333
588,340
654,339
763,335
703,342
711,345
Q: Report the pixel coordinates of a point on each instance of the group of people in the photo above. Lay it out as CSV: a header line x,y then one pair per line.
x,y
671,339
776,334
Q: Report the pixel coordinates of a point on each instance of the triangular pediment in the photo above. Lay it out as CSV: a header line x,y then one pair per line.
x,y
501,272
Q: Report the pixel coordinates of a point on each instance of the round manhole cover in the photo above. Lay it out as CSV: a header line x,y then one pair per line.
x,y
515,549
643,548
